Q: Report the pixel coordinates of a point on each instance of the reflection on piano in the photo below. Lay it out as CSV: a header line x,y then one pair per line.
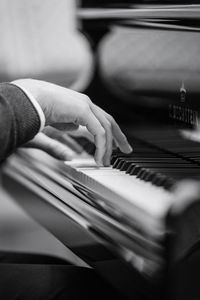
x,y
122,220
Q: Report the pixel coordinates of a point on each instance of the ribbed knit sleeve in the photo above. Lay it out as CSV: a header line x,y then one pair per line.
x,y
19,121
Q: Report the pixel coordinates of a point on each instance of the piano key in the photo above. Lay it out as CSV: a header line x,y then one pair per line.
x,y
172,141
134,169
140,172
115,180
148,176
124,164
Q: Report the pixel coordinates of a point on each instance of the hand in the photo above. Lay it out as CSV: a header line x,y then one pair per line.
x,y
67,109
56,143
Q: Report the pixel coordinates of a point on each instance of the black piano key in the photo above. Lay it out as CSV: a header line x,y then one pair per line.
x,y
140,173
169,183
177,173
159,166
130,167
144,173
116,157
116,163
124,164
158,179
161,180
171,140
134,170
149,176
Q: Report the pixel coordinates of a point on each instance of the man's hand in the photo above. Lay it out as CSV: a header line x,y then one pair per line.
x,y
56,143
66,109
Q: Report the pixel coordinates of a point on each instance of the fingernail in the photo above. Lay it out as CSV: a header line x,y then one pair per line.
x,y
99,163
128,149
107,162
67,156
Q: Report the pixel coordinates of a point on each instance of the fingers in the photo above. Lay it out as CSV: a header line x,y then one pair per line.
x,y
118,136
71,109
113,133
108,133
51,146
104,129
64,138
66,126
83,132
94,127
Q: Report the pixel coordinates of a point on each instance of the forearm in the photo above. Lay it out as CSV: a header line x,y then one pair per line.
x,y
19,121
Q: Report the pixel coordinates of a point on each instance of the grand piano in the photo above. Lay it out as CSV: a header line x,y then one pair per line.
x,y
136,222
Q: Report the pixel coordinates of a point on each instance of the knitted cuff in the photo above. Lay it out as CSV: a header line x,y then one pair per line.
x,y
24,115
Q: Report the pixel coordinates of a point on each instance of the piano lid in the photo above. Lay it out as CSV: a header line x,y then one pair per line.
x,y
130,3
150,56
140,9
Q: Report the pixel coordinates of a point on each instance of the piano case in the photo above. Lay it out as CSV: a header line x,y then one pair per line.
x,y
151,66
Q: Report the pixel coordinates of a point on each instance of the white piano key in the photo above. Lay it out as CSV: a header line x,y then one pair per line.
x,y
152,199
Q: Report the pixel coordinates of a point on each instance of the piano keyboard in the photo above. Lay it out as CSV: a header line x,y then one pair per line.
x,y
126,196
144,179
128,202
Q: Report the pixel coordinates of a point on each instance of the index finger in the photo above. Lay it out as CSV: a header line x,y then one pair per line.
x,y
95,128
119,136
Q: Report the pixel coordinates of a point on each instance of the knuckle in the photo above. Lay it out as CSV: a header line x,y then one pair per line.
x,y
62,152
108,126
86,99
110,118
60,135
53,145
74,127
102,132
85,108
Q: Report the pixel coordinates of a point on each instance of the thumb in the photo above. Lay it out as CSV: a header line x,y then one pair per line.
x,y
53,147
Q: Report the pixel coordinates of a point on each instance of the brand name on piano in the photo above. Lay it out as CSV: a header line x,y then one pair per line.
x,y
183,114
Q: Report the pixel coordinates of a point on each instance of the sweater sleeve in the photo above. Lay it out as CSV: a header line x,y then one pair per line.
x,y
19,120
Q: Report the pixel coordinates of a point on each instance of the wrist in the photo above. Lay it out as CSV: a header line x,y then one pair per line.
x,y
32,90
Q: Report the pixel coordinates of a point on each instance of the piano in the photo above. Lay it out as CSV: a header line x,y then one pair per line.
x,y
136,222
